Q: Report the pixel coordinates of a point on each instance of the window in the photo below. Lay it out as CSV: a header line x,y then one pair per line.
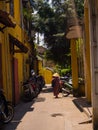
x,y
12,7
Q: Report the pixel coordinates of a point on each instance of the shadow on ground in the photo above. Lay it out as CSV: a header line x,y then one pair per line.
x,y
47,90
20,110
40,99
81,103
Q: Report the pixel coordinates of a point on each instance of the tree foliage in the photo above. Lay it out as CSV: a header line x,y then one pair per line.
x,y
51,21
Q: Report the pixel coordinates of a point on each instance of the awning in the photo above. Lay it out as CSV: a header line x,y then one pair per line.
x,y
74,28
74,32
6,20
19,44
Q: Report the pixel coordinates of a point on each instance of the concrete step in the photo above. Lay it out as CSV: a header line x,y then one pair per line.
x,y
84,106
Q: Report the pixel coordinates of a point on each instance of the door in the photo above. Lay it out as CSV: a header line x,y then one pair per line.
x,y
16,82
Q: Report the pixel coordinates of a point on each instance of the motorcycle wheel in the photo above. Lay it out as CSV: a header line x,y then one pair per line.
x,y
7,119
65,92
36,92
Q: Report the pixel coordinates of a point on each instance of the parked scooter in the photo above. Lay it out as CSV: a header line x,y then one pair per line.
x,y
28,91
32,87
66,89
40,82
66,86
6,109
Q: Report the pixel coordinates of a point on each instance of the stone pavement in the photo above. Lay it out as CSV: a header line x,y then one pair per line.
x,y
49,113
83,106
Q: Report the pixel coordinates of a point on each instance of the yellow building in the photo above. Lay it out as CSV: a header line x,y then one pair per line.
x,y
14,49
75,34
48,72
87,53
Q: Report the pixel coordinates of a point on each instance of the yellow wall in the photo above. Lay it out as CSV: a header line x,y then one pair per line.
x,y
17,11
20,35
6,59
48,76
74,64
6,65
46,73
17,33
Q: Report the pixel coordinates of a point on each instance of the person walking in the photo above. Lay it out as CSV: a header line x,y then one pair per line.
x,y
56,84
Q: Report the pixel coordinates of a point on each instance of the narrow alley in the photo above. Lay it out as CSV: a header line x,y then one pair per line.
x,y
49,113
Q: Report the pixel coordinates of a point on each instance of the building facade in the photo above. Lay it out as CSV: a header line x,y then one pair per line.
x,y
15,48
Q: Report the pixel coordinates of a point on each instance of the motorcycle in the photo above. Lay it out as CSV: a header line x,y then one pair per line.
x,y
28,91
66,87
40,82
6,109
32,87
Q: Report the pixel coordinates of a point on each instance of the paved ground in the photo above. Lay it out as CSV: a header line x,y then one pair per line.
x,y
49,113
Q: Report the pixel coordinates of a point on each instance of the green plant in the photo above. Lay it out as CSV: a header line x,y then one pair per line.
x,y
65,71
